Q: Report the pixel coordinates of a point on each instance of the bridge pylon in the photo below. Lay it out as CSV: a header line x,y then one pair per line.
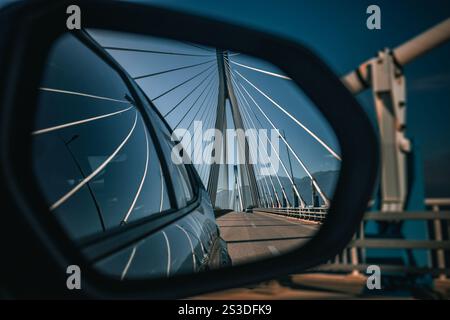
x,y
249,190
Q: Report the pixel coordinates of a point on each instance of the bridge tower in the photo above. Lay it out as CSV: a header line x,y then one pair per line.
x,y
249,189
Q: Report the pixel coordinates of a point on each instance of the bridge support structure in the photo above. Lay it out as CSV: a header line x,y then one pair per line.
x,y
388,86
384,75
399,174
249,196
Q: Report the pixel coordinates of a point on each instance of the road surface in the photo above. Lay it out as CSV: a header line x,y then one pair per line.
x,y
252,236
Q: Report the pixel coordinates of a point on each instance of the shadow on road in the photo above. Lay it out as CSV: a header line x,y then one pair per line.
x,y
220,212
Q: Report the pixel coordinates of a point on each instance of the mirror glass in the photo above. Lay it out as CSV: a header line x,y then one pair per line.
x,y
162,157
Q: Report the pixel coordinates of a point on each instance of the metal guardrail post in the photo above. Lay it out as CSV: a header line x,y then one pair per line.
x,y
344,256
354,258
362,237
440,255
336,259
355,251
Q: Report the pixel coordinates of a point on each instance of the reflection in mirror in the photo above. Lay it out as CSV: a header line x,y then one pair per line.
x,y
248,172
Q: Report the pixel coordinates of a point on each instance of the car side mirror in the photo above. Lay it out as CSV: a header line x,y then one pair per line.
x,y
104,171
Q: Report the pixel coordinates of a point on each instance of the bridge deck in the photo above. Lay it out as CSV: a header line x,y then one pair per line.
x,y
258,234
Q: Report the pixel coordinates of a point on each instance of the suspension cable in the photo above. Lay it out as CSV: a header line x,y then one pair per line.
x,y
198,110
242,148
189,94
263,177
312,134
281,161
203,112
210,124
172,70
267,154
209,116
260,70
158,52
97,170
78,122
283,166
211,50
209,87
182,83
316,185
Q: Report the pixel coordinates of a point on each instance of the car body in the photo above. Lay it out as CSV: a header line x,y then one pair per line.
x,y
101,142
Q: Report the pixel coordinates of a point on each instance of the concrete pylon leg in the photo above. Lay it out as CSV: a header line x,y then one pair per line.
x,y
247,169
250,195
219,125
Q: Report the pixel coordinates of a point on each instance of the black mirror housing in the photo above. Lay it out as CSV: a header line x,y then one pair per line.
x,y
28,235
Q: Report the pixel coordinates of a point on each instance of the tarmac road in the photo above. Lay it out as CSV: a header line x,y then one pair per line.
x,y
252,236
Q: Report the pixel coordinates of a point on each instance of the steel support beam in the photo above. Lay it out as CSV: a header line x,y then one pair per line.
x,y
384,75
357,81
388,85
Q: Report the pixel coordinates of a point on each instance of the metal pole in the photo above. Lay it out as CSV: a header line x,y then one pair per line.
x,y
438,237
423,43
358,80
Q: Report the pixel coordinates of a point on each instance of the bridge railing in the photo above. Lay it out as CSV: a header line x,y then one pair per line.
x,y
310,214
352,259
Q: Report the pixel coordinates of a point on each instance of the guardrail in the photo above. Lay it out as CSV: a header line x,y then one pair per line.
x,y
352,259
310,214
